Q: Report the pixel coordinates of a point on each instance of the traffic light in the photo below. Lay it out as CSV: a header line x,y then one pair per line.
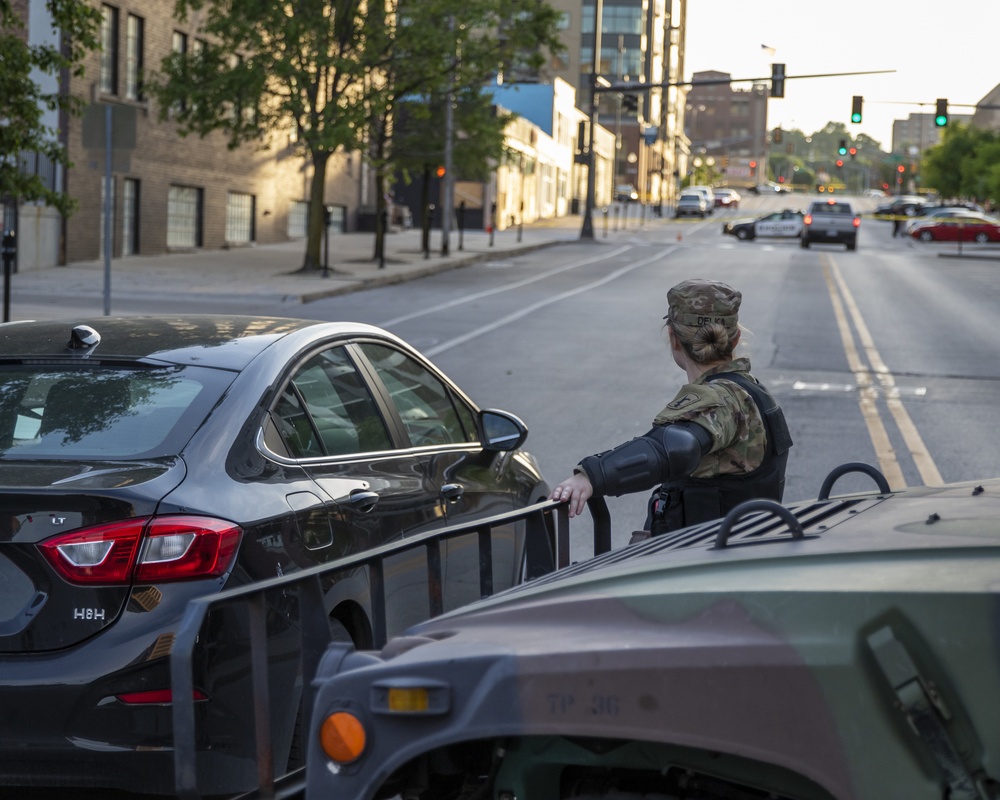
x,y
900,168
777,80
840,163
856,108
941,115
441,172
853,151
753,168
843,147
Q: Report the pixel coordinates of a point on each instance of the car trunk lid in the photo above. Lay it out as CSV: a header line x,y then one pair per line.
x,y
40,609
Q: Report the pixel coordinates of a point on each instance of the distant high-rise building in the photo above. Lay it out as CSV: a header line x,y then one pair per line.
x,y
642,42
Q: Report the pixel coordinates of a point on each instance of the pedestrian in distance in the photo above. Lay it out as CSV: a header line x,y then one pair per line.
x,y
897,223
722,439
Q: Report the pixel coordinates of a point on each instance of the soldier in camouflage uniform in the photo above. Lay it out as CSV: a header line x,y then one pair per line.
x,y
720,441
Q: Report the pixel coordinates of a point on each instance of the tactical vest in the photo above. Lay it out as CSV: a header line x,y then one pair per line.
x,y
689,501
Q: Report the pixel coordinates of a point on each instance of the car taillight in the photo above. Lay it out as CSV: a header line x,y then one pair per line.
x,y
857,221
145,549
807,219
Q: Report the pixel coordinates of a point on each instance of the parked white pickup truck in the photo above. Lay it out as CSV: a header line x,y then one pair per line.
x,y
833,221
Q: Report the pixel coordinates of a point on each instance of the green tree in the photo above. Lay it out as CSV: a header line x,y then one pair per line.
x,y
432,49
26,101
479,141
945,165
270,68
332,71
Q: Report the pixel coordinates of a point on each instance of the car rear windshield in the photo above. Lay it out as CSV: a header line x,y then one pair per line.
x,y
833,208
101,412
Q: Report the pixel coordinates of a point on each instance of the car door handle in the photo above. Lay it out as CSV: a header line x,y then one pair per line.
x,y
452,492
363,501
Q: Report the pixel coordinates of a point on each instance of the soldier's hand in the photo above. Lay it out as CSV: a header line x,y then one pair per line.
x,y
576,491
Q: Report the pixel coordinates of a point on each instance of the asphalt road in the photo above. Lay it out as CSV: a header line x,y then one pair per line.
x,y
887,355
883,355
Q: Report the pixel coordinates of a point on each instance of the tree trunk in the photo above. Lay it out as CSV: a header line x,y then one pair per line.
x,y
317,208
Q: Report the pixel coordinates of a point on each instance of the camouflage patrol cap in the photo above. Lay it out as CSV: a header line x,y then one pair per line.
x,y
703,302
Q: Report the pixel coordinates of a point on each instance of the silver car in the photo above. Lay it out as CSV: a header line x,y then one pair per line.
x,y
691,203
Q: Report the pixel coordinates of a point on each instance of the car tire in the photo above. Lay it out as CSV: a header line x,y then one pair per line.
x,y
852,245
743,234
982,238
926,236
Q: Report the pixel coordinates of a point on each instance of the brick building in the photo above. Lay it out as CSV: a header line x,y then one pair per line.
x,y
728,125
172,193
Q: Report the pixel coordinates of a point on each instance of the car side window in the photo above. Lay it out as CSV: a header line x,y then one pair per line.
x,y
428,409
327,410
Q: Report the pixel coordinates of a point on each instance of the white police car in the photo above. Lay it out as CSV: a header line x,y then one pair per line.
x,y
784,224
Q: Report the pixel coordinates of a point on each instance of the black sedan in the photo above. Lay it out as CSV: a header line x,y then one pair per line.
x,y
783,224
148,461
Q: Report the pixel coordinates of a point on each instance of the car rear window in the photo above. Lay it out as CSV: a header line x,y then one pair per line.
x,y
55,412
833,208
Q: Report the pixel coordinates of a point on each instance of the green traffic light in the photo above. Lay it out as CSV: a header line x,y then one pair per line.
x,y
856,117
940,120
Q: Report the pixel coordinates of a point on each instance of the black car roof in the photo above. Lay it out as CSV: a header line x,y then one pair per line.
x,y
229,342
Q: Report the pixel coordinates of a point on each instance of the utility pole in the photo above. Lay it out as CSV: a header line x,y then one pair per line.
x,y
587,232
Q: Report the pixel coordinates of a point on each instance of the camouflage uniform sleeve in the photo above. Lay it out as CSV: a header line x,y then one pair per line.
x,y
710,405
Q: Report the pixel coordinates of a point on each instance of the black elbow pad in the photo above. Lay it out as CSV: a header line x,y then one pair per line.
x,y
686,443
664,453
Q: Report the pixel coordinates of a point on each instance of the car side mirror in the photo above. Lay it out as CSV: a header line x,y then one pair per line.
x,y
499,430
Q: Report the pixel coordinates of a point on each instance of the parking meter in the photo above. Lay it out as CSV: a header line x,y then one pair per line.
x,y
9,253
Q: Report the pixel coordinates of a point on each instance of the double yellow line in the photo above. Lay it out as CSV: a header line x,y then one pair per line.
x,y
873,381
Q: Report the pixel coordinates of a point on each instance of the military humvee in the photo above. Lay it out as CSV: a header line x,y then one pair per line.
x,y
847,647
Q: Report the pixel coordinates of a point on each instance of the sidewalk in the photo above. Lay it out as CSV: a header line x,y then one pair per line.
x,y
270,272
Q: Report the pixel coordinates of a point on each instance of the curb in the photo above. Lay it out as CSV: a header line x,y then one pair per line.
x,y
360,284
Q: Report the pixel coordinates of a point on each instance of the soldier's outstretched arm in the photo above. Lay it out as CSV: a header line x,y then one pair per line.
x,y
666,452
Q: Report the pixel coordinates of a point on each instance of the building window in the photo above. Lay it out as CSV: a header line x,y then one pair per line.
x,y
109,50
621,19
179,45
239,218
133,57
184,214
298,219
130,217
337,219
564,21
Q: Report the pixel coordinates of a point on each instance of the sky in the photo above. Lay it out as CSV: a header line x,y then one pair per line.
x,y
937,49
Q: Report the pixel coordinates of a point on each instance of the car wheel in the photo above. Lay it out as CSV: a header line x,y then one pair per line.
x,y
982,238
926,236
852,245
804,242
742,233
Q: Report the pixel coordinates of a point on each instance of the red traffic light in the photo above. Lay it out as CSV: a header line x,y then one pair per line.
x,y
840,162
900,168
753,164
853,151
781,179
440,172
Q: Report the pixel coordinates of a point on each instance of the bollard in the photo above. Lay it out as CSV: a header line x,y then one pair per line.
x,y
605,222
493,221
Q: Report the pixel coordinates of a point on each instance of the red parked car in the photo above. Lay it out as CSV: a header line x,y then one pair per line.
x,y
961,226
